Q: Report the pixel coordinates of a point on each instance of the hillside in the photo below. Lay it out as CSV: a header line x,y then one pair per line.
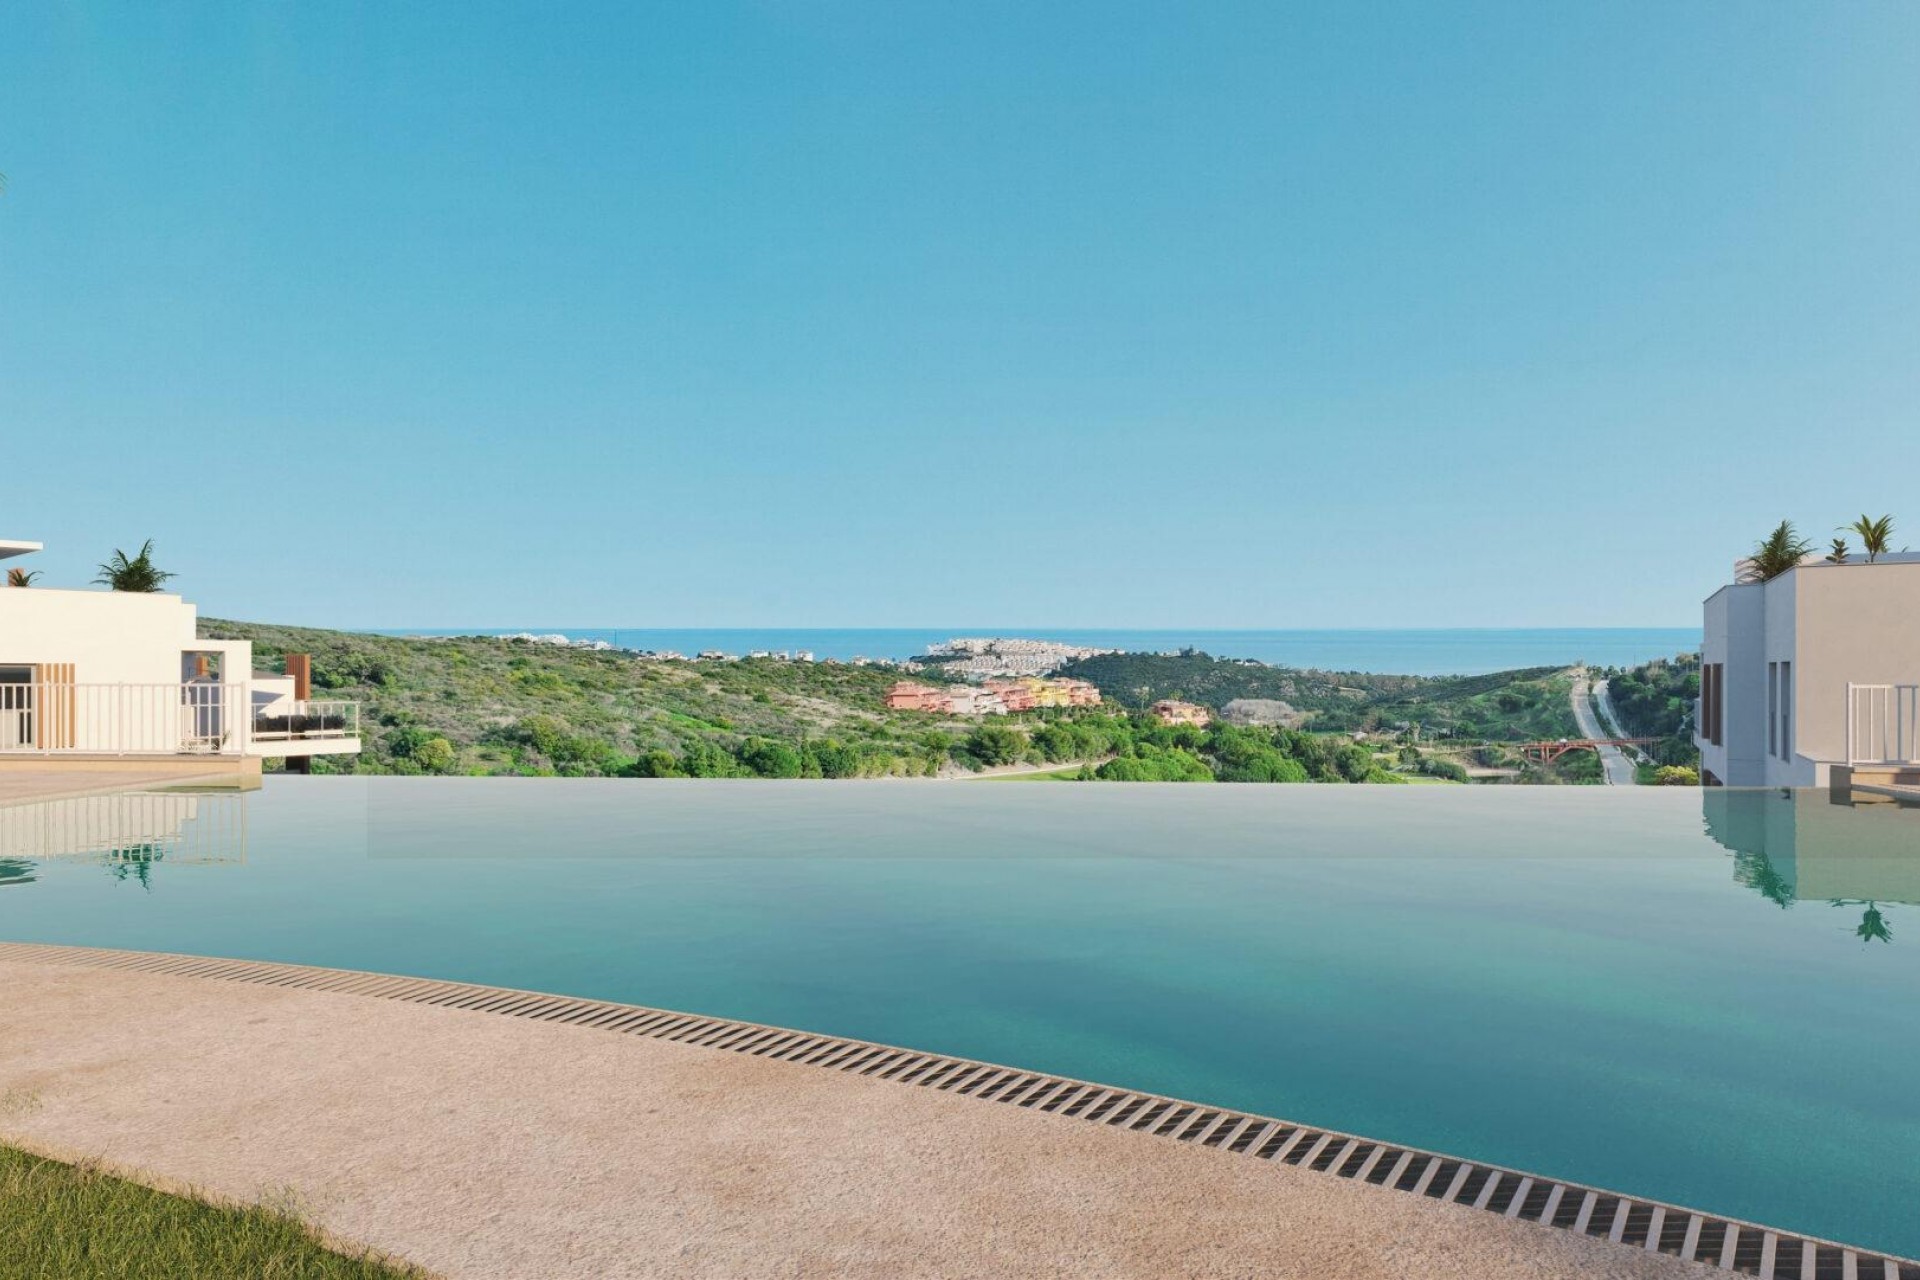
x,y
1504,706
480,705
501,706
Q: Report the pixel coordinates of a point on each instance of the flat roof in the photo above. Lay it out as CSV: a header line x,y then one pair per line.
x,y
15,547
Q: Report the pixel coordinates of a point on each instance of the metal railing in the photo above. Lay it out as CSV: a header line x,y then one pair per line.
x,y
290,721
1883,724
197,718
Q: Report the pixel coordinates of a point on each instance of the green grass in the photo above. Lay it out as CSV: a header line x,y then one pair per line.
x,y
71,1221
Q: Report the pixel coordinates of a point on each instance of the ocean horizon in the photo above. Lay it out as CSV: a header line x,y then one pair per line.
x,y
1429,651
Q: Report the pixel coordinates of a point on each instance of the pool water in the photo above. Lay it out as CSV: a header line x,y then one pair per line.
x,y
1705,997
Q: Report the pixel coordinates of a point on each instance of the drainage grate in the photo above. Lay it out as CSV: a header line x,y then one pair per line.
x,y
1646,1224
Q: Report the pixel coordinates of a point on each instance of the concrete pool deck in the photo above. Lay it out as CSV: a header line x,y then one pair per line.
x,y
496,1146
32,782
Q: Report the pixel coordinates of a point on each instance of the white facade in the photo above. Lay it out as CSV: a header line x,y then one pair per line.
x,y
109,672
1806,671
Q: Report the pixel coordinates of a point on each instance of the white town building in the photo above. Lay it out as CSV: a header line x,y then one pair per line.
x,y
96,675
1817,669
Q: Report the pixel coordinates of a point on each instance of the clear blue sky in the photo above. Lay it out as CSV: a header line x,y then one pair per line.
x,y
839,314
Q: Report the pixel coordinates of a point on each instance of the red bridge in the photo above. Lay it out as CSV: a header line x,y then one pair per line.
x,y
1548,752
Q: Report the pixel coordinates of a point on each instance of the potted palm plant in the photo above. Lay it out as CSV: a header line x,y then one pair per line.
x,y
21,577
136,574
1776,553
1874,535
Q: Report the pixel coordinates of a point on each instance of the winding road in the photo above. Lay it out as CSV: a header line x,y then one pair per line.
x,y
1615,765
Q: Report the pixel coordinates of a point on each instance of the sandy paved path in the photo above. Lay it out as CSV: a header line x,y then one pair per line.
x,y
486,1146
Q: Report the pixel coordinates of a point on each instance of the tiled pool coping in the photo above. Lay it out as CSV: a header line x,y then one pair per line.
x,y
1629,1221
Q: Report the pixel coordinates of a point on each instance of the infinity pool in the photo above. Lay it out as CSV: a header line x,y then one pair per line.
x,y
1704,997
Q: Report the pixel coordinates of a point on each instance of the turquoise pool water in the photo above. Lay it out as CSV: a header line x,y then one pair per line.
x,y
1705,997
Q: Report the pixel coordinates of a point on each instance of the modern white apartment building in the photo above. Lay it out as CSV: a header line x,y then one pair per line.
x,y
1817,668
100,675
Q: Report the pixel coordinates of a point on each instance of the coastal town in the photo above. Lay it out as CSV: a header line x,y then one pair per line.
x,y
994,697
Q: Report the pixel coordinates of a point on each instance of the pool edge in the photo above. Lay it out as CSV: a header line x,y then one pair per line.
x,y
1629,1221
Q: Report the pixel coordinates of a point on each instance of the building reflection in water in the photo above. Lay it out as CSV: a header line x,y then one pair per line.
x,y
129,834
1800,846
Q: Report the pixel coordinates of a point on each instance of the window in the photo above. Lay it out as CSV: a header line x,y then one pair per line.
x,y
1786,711
1712,691
1773,708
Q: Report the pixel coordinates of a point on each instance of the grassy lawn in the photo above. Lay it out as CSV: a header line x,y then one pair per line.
x,y
63,1220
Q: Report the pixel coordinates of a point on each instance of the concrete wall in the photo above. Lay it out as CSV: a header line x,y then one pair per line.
x,y
1855,622
110,637
1734,621
1779,644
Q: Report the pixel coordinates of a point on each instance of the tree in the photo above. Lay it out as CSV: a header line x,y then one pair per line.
x,y
1776,553
21,577
1839,553
1873,927
137,574
767,758
1874,535
993,744
435,755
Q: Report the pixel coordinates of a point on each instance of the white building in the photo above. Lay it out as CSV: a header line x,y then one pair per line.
x,y
95,674
1817,668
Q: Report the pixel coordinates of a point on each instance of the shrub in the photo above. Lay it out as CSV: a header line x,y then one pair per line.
x,y
766,758
435,755
656,764
992,744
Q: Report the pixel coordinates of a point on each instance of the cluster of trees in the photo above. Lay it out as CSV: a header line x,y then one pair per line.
x,y
1655,700
1141,749
1512,705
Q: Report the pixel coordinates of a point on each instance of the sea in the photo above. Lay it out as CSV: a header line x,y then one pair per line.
x,y
1425,652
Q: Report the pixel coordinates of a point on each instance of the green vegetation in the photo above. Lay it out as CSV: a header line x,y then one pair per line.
x,y
1514,706
1874,535
72,1221
1655,700
478,705
1776,553
138,574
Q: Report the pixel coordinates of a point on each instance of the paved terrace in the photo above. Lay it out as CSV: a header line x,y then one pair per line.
x,y
481,1145
29,785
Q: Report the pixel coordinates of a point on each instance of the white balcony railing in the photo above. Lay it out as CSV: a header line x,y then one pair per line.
x,y
123,719
1883,724
202,718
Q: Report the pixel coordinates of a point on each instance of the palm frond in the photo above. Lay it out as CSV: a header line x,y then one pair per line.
x,y
1776,553
1874,534
138,573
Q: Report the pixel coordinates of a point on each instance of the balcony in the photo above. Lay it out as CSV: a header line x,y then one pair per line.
x,y
291,721
1883,724
197,718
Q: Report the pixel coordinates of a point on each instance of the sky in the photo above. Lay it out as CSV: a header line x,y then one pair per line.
x,y
835,314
